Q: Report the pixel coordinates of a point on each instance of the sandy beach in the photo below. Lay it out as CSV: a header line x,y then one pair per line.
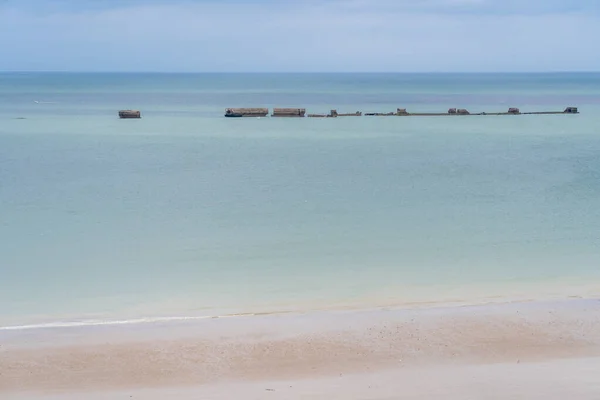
x,y
515,350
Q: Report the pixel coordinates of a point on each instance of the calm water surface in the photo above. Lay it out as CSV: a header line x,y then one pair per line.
x,y
185,212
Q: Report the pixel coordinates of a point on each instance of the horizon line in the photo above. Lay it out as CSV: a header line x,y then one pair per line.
x,y
296,72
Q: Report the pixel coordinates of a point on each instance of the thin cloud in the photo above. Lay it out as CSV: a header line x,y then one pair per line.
x,y
350,35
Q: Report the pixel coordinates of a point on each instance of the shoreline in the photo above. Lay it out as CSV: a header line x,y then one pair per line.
x,y
421,299
277,348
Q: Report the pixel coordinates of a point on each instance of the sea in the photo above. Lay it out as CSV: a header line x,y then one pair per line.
x,y
185,214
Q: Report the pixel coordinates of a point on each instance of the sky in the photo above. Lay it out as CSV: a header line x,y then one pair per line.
x,y
300,35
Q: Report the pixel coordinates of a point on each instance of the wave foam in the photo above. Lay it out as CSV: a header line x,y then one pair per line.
x,y
89,323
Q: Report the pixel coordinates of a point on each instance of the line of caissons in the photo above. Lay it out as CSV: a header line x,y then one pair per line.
x,y
301,113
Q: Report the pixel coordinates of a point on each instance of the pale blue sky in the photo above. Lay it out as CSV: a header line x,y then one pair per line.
x,y
326,35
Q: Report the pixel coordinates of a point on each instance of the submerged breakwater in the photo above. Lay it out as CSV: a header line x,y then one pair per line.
x,y
400,112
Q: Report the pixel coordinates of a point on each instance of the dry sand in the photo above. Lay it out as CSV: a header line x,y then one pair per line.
x,y
524,350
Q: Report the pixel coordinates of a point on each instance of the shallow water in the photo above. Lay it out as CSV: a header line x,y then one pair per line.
x,y
185,212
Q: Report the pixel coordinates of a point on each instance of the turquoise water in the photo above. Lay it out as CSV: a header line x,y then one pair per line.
x,y
185,212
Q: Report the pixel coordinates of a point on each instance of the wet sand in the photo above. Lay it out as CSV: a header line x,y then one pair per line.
x,y
519,350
